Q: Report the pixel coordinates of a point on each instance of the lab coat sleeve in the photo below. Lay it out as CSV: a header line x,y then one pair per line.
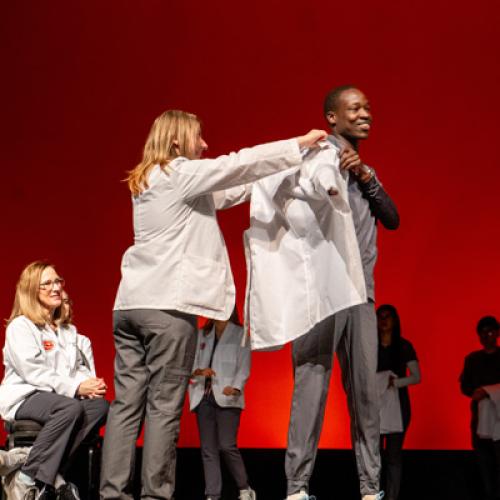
x,y
412,378
28,360
195,178
232,197
86,350
198,379
243,370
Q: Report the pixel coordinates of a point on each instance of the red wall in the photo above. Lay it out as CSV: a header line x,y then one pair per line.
x,y
82,81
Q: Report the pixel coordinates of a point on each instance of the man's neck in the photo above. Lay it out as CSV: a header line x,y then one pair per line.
x,y
346,141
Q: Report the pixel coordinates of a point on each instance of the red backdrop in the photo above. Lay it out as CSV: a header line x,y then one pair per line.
x,y
82,82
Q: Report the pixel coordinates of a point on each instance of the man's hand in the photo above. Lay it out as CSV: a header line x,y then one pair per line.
x,y
350,160
230,391
479,394
204,372
92,388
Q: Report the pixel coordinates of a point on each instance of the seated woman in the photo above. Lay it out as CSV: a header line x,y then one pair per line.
x,y
50,378
222,367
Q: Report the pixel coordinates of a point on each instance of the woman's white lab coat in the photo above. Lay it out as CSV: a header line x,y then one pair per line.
x,y
39,359
231,363
178,244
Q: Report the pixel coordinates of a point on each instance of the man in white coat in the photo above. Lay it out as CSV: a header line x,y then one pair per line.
x,y
352,332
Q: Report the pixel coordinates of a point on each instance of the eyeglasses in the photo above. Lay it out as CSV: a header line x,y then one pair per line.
x,y
50,284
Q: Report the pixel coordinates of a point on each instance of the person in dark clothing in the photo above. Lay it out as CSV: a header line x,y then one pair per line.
x,y
397,355
482,368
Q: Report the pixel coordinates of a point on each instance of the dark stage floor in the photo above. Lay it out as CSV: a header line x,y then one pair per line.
x,y
427,475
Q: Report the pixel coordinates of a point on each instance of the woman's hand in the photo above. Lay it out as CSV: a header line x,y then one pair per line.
x,y
230,391
203,372
92,388
311,138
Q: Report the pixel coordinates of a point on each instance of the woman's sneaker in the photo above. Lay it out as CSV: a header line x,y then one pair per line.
x,y
248,494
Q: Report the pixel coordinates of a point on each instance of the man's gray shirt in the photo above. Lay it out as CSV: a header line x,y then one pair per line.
x,y
369,204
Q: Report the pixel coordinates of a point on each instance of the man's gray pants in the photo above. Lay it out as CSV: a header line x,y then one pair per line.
x,y
218,428
66,422
154,358
352,333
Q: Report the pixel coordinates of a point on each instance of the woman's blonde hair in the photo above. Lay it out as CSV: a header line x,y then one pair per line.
x,y
66,312
172,134
26,301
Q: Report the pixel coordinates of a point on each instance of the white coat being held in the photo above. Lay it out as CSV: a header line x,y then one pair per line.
x,y
231,364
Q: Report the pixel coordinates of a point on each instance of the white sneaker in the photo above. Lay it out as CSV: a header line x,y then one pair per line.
x,y
248,494
16,489
378,496
12,460
301,495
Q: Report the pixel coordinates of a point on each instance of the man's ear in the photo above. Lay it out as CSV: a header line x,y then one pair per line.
x,y
331,118
175,146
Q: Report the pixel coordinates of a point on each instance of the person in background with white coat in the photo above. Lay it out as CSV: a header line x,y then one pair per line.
x,y
216,393
176,269
397,355
481,370
50,378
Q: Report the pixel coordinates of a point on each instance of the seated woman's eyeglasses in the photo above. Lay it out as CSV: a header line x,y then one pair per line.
x,y
50,284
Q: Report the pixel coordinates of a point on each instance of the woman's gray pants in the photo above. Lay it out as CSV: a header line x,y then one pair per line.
x,y
66,422
154,358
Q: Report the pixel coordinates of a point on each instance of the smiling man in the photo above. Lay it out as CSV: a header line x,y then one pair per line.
x,y
352,333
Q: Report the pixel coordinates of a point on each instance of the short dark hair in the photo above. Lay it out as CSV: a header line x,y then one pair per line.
x,y
489,322
331,102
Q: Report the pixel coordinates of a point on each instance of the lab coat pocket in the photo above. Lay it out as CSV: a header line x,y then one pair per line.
x,y
202,282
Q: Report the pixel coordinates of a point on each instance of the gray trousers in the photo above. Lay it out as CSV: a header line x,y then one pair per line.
x,y
352,333
218,428
66,422
154,358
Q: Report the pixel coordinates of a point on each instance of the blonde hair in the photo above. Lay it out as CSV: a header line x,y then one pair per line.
x,y
26,302
66,312
172,134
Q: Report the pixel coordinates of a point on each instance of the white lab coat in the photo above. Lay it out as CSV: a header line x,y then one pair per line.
x,y
39,359
303,260
391,419
179,259
488,425
231,363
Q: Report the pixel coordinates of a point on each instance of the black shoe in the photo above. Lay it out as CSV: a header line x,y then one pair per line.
x,y
67,491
